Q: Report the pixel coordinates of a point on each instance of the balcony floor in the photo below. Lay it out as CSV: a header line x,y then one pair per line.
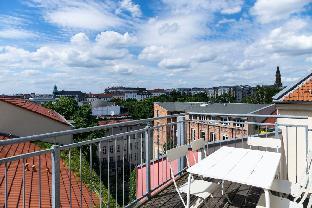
x,y
240,195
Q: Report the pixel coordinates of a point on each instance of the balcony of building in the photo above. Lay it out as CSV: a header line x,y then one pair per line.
x,y
134,170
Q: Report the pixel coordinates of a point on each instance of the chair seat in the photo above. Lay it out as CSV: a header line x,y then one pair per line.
x,y
278,202
200,188
286,187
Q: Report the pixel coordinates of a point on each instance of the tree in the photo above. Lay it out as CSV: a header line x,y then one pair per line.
x,y
65,106
262,95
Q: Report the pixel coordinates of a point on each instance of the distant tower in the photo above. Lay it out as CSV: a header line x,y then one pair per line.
x,y
278,78
55,90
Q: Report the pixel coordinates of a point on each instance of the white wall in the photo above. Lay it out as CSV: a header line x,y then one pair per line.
x,y
290,144
21,122
106,111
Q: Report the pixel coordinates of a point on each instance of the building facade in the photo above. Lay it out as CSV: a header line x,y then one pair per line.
x,y
199,124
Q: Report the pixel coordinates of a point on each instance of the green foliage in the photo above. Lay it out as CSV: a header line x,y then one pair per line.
x,y
133,177
144,109
90,178
82,118
65,106
262,95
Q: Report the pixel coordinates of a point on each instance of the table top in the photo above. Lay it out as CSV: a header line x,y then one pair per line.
x,y
244,166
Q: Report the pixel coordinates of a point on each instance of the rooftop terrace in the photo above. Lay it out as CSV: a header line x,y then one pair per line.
x,y
152,185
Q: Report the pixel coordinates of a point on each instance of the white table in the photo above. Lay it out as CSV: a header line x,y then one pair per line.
x,y
245,166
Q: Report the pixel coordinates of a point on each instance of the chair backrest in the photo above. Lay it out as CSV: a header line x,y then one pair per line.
x,y
264,142
176,153
198,144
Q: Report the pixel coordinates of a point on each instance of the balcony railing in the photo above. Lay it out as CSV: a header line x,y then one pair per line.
x,y
125,168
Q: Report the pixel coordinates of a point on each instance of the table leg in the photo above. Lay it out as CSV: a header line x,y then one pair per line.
x,y
267,198
188,191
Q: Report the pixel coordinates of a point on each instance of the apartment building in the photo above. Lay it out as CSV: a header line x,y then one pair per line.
x,y
131,148
157,92
201,125
104,108
100,96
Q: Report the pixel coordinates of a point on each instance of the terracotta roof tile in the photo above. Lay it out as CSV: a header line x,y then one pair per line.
x,y
36,108
302,92
15,180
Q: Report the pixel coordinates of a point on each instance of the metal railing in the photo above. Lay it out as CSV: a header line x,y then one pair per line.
x,y
125,163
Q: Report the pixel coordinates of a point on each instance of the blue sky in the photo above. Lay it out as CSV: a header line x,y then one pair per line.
x,y
90,45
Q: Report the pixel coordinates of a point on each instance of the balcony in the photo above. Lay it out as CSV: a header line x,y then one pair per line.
x,y
133,171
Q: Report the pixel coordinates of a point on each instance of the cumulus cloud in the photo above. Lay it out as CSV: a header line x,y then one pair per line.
x,y
131,7
289,39
268,11
114,38
174,63
79,52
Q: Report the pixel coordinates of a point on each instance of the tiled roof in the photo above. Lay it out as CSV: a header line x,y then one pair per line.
x,y
36,108
299,91
15,180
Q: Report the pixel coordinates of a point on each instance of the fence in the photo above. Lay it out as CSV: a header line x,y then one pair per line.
x,y
120,165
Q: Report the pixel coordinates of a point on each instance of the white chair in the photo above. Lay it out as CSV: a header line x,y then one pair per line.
x,y
200,188
300,191
198,145
264,142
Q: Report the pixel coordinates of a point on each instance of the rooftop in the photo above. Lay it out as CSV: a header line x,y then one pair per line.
x,y
200,107
36,108
33,171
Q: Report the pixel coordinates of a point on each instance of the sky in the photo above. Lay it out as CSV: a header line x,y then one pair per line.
x,y
89,45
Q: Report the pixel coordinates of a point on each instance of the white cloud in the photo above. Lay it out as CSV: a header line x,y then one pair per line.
x,y
174,63
289,39
268,11
16,34
81,15
114,38
86,17
153,53
131,7
79,38
232,10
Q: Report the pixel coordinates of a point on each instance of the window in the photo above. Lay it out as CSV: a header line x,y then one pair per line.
x,y
137,145
111,149
239,123
104,150
111,159
118,157
104,160
118,148
225,137
202,135
135,156
130,146
193,132
157,113
212,136
224,121
212,120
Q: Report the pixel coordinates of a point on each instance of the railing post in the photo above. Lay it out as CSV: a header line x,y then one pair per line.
x,y
181,139
55,156
276,130
148,141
